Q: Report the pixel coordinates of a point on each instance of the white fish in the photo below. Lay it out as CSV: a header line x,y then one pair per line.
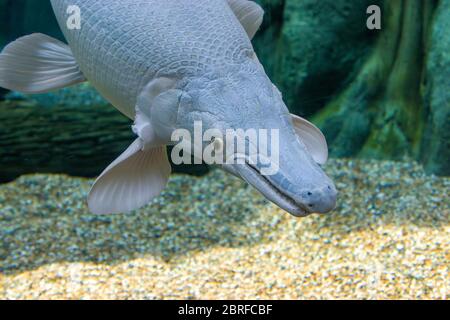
x,y
166,64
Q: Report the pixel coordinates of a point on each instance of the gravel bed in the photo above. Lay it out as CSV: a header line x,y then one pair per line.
x,y
215,237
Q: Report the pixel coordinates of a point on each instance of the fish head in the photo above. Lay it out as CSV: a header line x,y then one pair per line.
x,y
258,142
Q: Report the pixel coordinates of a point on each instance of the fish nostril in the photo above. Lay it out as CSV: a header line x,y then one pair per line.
x,y
329,188
310,205
309,193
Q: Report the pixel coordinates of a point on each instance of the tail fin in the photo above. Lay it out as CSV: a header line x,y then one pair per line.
x,y
38,63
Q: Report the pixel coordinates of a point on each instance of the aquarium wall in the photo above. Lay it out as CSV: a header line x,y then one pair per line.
x,y
376,93
380,93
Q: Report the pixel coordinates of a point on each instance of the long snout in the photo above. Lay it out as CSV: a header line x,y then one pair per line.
x,y
296,196
313,192
298,185
322,200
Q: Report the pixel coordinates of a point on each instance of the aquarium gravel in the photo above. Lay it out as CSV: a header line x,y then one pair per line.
x,y
215,237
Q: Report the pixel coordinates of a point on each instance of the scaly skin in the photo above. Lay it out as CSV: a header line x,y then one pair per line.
x,y
124,44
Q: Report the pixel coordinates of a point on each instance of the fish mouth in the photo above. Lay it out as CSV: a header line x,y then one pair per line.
x,y
253,176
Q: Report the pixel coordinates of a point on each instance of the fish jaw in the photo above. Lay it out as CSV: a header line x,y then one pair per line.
x,y
261,183
289,188
299,205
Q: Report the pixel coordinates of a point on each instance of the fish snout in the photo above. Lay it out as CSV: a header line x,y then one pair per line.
x,y
321,200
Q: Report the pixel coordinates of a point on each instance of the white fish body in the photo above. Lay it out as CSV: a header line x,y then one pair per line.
x,y
140,54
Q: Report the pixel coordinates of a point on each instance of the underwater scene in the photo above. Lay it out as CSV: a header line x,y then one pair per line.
x,y
224,149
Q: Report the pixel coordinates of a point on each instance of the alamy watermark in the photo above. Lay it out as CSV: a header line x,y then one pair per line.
x,y
238,146
74,17
74,20
374,20
257,147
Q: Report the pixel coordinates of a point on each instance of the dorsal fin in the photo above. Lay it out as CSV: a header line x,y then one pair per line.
x,y
249,13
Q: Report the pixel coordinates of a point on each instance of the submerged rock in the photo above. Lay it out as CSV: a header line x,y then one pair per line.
x,y
311,48
436,141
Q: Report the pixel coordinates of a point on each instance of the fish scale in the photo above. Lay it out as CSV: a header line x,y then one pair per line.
x,y
122,48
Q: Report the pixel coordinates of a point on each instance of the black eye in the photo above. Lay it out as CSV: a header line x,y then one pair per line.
x,y
251,54
218,144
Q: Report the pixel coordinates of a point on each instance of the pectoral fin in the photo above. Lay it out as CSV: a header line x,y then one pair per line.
x,y
249,13
38,63
156,111
312,137
131,181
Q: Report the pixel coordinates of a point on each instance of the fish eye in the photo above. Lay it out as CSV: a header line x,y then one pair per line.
x,y
218,144
251,54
